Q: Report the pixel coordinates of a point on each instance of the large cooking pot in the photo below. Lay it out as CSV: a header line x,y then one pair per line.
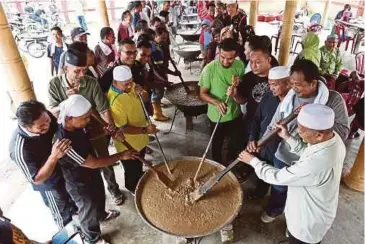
x,y
187,50
190,104
234,208
191,36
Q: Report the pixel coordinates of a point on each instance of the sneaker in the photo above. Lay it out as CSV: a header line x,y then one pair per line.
x,y
267,218
227,234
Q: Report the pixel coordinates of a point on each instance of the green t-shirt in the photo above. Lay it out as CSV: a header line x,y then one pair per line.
x,y
217,79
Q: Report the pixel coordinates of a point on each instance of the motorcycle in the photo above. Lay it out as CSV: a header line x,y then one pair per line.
x,y
35,45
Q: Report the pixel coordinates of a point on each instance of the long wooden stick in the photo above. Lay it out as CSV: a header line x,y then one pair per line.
x,y
157,140
209,143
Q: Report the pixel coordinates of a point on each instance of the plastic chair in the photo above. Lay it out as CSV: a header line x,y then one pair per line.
x,y
352,91
277,38
341,33
360,61
315,19
357,38
315,28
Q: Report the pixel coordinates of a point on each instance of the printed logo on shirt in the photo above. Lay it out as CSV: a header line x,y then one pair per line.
x,y
259,91
19,237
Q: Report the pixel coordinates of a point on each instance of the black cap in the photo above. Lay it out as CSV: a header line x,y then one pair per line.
x,y
75,58
78,31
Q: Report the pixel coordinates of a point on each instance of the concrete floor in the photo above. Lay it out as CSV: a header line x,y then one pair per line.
x,y
25,208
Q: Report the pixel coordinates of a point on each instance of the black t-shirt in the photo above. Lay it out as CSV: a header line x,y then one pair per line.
x,y
30,153
71,162
137,73
253,88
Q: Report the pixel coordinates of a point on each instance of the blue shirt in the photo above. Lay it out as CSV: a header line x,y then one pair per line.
x,y
261,120
56,55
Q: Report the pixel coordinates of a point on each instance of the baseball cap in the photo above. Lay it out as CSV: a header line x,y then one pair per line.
x,y
78,31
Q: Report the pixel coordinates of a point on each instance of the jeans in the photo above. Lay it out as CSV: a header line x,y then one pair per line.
x,y
293,240
82,22
133,171
277,199
59,202
100,147
89,196
157,95
234,131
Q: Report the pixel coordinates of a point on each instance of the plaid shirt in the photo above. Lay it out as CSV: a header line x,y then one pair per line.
x,y
331,61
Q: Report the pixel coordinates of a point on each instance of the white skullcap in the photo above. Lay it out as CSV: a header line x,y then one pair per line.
x,y
279,72
74,106
230,1
122,73
316,116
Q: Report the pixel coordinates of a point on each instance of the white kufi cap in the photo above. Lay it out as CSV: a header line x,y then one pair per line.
x,y
279,72
316,117
229,1
74,106
122,73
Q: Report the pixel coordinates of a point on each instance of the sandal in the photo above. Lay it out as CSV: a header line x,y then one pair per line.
x,y
119,200
111,214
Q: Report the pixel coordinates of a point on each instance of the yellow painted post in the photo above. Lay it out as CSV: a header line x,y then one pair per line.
x,y
12,68
253,12
355,179
103,13
287,31
327,4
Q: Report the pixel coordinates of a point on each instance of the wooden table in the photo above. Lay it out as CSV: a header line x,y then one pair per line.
x,y
353,25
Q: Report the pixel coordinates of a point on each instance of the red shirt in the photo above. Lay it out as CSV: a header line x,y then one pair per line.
x,y
123,33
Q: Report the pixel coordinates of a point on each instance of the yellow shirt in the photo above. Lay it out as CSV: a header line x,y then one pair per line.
x,y
127,109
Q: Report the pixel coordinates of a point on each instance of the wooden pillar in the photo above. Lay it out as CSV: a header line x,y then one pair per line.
x,y
287,31
64,5
103,13
325,13
355,179
19,7
112,9
253,12
360,9
12,68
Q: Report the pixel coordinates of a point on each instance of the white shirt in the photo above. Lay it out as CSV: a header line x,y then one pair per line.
x,y
313,186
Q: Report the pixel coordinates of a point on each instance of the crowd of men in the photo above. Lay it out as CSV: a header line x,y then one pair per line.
x,y
98,96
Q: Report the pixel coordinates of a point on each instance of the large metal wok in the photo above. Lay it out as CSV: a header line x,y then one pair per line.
x,y
235,208
190,104
187,50
190,36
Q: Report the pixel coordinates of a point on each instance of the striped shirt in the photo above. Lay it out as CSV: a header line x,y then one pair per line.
x,y
71,163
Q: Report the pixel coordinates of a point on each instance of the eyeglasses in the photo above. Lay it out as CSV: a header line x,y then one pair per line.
x,y
130,53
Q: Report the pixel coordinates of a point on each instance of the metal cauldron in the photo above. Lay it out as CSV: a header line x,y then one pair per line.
x,y
187,50
183,106
139,189
190,36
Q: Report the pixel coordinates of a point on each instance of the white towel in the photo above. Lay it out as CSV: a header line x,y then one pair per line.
x,y
105,48
286,106
74,106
